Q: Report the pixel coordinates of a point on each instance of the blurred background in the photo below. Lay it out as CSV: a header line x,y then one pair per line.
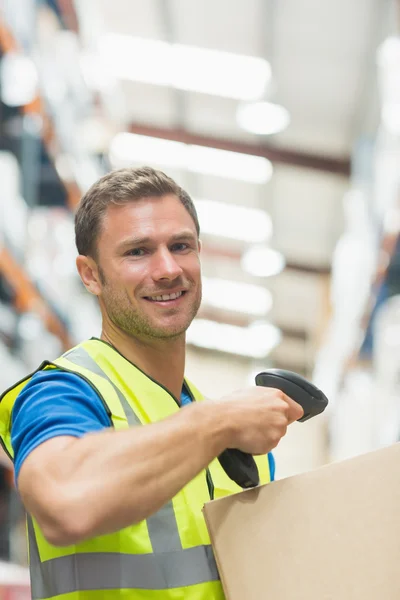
x,y
282,120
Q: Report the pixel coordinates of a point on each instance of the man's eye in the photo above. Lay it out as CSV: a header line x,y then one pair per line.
x,y
135,252
179,247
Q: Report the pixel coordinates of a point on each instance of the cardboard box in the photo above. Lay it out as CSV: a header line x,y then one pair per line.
x,y
330,534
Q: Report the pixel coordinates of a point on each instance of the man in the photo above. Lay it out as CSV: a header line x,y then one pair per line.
x,y
115,508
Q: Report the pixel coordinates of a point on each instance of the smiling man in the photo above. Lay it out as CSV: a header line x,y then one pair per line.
x,y
112,470
147,277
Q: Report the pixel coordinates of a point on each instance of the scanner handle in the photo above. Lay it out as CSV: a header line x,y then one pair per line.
x,y
240,466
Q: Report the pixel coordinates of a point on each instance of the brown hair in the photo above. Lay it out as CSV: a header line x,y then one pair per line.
x,y
119,187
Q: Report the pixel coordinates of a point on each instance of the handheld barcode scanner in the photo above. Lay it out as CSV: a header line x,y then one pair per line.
x,y
241,467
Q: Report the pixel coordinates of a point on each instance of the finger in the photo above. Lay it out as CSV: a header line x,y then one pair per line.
x,y
296,411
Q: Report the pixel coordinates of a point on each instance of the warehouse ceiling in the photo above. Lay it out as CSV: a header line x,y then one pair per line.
x,y
116,100
322,56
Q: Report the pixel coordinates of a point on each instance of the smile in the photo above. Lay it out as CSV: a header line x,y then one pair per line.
x,y
165,297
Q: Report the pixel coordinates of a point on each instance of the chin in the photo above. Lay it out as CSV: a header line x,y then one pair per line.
x,y
171,331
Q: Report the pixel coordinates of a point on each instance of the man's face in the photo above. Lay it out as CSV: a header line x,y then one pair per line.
x,y
148,257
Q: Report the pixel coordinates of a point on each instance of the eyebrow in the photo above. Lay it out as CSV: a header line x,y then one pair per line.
x,y
140,241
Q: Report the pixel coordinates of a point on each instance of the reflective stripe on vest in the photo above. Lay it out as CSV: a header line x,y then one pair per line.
x,y
169,566
114,571
79,356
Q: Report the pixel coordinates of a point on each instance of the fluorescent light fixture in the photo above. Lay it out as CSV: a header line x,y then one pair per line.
x,y
233,221
185,67
255,341
262,118
130,147
236,296
127,148
232,165
262,261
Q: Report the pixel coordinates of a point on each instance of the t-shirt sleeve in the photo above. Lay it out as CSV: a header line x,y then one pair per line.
x,y
271,462
54,403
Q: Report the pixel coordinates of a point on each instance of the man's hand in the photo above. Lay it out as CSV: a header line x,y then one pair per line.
x,y
257,418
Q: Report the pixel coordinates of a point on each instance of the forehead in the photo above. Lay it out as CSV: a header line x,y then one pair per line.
x,y
153,216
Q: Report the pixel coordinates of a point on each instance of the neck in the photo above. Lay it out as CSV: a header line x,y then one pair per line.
x,y
161,359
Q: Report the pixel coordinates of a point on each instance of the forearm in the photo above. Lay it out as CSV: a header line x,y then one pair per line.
x,y
107,481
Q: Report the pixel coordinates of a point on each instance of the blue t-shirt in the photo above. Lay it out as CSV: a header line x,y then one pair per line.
x,y
56,403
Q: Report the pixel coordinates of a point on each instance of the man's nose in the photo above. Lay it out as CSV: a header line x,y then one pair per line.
x,y
165,266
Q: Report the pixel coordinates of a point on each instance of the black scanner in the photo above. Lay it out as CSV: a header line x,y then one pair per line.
x,y
310,398
240,466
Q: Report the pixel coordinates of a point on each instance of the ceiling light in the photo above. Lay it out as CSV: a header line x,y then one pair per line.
x,y
236,296
127,148
232,165
262,261
262,118
234,221
185,67
130,147
255,341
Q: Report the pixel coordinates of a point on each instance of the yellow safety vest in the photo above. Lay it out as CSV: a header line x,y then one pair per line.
x,y
168,556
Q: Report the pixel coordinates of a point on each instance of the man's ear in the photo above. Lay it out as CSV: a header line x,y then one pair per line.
x,y
89,273
200,245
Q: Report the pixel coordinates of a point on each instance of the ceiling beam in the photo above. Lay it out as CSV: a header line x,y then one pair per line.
x,y
327,164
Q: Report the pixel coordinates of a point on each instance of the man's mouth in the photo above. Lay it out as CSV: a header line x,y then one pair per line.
x,y
165,297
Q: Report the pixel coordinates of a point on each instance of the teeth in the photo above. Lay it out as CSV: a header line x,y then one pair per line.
x,y
165,297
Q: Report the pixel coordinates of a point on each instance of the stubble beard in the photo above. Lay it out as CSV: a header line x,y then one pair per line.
x,y
137,324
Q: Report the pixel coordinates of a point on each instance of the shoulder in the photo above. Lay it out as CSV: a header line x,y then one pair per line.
x,y
55,387
51,381
57,376
54,403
